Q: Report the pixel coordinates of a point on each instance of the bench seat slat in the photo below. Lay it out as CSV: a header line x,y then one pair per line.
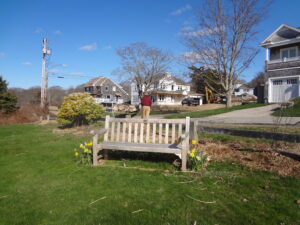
x,y
142,147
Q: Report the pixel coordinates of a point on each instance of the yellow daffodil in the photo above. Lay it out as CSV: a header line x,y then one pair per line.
x,y
90,151
90,144
194,142
76,154
194,150
198,158
81,146
192,155
208,158
85,150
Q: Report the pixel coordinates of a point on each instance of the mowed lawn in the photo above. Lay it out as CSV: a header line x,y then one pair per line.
x,y
41,184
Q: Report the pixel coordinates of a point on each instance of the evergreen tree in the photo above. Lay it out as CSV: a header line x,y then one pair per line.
x,y
8,101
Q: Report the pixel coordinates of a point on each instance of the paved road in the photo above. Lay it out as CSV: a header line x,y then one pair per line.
x,y
259,115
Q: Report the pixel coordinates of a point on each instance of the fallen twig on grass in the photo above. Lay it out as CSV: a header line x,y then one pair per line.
x,y
140,210
186,182
4,196
200,200
97,200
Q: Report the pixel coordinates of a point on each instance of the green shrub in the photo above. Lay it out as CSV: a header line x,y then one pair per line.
x,y
296,101
78,109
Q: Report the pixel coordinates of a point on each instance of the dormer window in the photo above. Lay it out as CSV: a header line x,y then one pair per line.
x,y
288,52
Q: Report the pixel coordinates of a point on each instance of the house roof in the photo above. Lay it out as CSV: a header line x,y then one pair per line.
x,y
99,81
283,34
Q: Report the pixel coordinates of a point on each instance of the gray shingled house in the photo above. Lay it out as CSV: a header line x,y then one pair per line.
x,y
283,63
106,92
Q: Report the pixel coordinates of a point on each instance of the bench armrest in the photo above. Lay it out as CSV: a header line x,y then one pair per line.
x,y
99,132
185,135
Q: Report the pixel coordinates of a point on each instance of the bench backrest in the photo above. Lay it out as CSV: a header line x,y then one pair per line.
x,y
159,131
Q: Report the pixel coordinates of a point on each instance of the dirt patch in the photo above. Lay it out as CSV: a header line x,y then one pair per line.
x,y
282,158
78,131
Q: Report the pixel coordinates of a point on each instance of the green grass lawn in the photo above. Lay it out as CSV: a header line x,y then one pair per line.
x,y
41,184
293,111
205,113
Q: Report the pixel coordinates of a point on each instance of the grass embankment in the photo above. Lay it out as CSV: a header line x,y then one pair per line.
x,y
293,111
276,129
212,112
41,184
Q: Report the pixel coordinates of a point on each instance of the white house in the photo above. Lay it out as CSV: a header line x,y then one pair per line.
x,y
283,63
168,90
240,88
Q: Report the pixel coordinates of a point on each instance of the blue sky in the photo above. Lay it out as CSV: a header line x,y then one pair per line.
x,y
84,35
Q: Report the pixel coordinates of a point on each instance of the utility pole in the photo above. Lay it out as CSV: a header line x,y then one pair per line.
x,y
44,87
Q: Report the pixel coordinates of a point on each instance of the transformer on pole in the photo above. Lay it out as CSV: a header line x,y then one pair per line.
x,y
44,87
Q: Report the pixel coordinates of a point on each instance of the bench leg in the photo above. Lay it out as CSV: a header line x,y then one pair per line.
x,y
95,150
183,157
105,154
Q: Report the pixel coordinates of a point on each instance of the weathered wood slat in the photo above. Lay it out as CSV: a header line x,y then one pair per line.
x,y
124,132
142,133
154,133
179,130
147,132
129,132
167,134
160,134
112,134
173,132
142,147
106,126
133,120
118,131
135,132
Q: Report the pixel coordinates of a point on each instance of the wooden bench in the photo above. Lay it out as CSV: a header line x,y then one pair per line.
x,y
151,135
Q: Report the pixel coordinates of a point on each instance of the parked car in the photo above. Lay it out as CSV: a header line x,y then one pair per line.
x,y
190,101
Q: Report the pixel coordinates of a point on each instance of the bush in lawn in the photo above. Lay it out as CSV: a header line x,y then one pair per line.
x,y
8,101
78,109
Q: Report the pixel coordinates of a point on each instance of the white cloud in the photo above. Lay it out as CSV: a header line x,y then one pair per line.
x,y
107,47
181,10
90,47
2,54
76,73
64,65
38,30
188,31
57,32
27,63
54,71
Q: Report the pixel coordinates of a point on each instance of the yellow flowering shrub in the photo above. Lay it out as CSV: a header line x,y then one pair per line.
x,y
78,109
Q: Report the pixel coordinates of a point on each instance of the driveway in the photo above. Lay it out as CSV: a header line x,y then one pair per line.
x,y
259,115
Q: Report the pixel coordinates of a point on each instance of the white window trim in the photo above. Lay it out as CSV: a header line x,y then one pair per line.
x,y
284,49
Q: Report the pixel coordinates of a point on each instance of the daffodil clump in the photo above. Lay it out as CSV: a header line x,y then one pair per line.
x,y
83,154
197,159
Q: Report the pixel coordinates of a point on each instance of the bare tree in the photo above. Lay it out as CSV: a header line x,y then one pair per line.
x,y
223,38
143,64
259,79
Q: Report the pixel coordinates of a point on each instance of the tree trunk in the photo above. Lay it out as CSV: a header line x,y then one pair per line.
x,y
228,98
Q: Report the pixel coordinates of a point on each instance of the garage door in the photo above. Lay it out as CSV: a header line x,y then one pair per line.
x,y
285,89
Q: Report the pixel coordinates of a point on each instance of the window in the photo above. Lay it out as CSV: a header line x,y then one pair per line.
x,y
237,90
161,97
106,88
277,82
98,87
114,88
291,81
172,87
108,96
179,87
289,52
246,90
